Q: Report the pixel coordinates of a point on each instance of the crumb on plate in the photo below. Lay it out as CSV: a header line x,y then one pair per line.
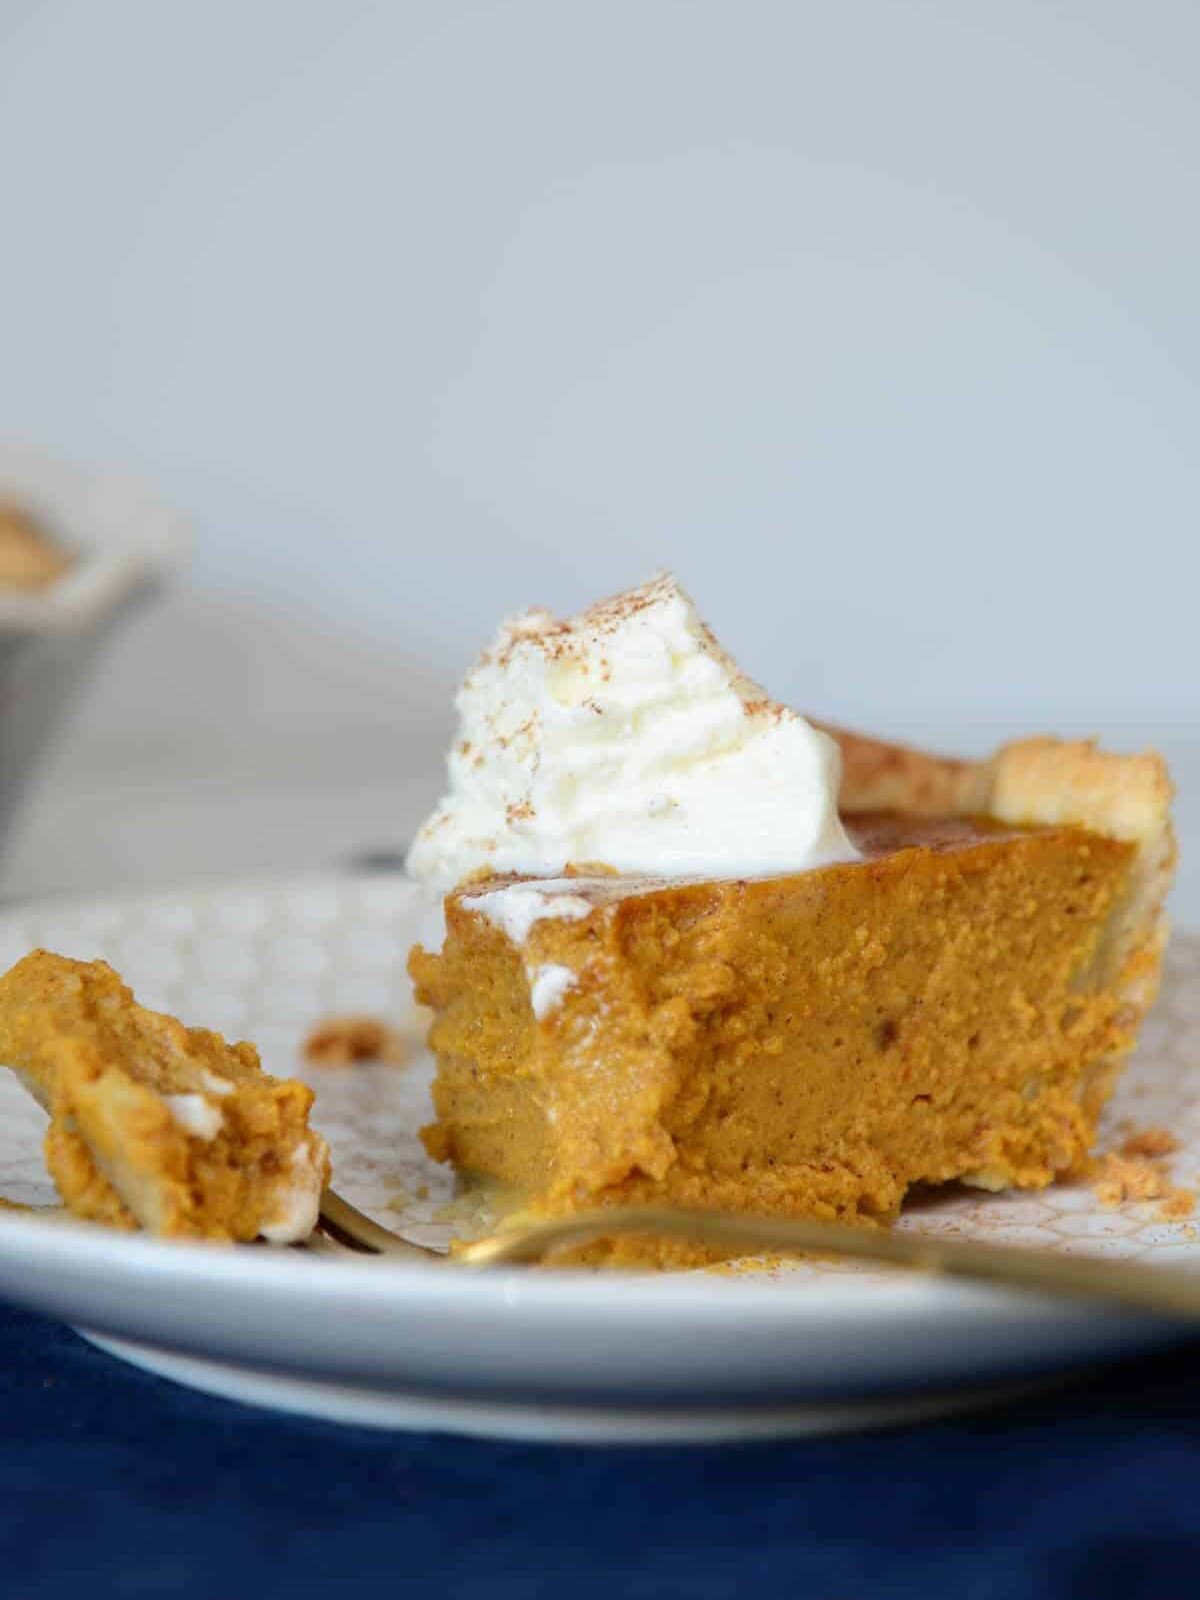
x,y
1134,1172
342,1041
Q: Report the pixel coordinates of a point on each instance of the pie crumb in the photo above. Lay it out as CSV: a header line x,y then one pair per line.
x,y
1150,1142
343,1041
1179,1203
1134,1172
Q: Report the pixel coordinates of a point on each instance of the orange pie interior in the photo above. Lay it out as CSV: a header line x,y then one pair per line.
x,y
954,1005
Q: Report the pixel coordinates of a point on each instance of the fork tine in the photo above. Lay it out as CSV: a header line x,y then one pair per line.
x,y
350,1227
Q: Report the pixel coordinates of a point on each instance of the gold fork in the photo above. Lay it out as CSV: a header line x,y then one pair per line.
x,y
1167,1291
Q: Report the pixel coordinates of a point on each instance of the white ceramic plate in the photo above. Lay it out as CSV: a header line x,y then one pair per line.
x,y
598,1356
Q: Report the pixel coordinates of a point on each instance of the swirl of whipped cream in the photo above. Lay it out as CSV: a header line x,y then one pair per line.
x,y
628,737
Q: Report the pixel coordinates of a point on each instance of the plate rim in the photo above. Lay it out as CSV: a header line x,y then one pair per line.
x,y
85,1274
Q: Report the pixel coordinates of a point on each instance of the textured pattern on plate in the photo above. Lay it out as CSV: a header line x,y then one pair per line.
x,y
265,961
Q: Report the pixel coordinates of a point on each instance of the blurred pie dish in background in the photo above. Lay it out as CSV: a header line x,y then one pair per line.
x,y
78,546
30,558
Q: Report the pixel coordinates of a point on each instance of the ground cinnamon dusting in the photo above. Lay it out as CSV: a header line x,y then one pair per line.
x,y
343,1041
561,640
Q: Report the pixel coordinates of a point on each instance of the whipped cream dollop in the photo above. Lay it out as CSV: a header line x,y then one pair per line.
x,y
517,907
627,737
547,985
298,1202
195,1114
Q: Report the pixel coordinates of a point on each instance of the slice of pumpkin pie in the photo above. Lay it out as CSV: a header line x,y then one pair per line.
x,y
710,954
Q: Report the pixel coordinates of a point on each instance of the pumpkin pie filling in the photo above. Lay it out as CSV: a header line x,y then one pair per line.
x,y
814,1044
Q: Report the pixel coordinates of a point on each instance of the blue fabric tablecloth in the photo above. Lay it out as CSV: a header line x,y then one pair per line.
x,y
115,1483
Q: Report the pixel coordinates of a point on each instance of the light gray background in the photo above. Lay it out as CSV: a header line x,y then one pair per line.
x,y
877,320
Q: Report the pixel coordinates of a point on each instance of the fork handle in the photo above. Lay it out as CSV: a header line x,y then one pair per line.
x,y
1166,1291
